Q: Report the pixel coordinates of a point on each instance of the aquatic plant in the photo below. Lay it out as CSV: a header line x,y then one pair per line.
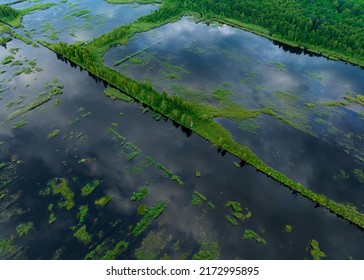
x,y
24,228
288,228
102,201
107,250
115,94
138,196
53,134
60,186
359,175
82,214
197,198
232,220
251,235
82,235
315,251
20,124
7,59
128,149
209,250
151,214
116,251
90,187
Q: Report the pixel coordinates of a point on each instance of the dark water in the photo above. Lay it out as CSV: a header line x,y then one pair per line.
x,y
84,151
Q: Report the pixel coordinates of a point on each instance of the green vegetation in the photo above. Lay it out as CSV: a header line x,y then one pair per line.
x,y
102,201
115,94
19,124
278,65
59,186
232,220
237,212
134,1
7,59
127,148
168,173
90,187
107,250
53,134
152,213
359,175
353,97
82,214
197,198
315,251
52,216
209,250
288,228
251,235
138,196
23,229
82,235
14,17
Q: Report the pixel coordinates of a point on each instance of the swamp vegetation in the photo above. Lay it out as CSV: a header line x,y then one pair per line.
x,y
143,192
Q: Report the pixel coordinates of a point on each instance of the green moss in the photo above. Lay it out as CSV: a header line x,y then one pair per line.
x,y
24,229
209,250
197,198
82,214
149,216
82,235
102,201
251,235
138,196
53,134
315,251
90,187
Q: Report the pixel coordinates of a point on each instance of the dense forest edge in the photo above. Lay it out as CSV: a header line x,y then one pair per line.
x,y
200,117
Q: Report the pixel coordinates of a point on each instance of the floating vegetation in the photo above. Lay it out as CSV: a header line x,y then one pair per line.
x,y
359,175
315,76
83,115
288,228
107,250
53,134
278,65
52,216
138,196
139,167
209,250
152,246
198,174
82,235
237,211
128,148
342,175
59,186
102,201
41,99
251,235
20,124
169,173
24,229
221,94
142,208
315,251
115,94
7,59
251,126
197,198
90,187
353,97
82,214
151,214
285,96
232,220
7,174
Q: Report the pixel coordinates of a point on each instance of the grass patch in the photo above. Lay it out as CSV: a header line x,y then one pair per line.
x,y
115,94
20,124
59,186
209,250
82,213
82,235
24,229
